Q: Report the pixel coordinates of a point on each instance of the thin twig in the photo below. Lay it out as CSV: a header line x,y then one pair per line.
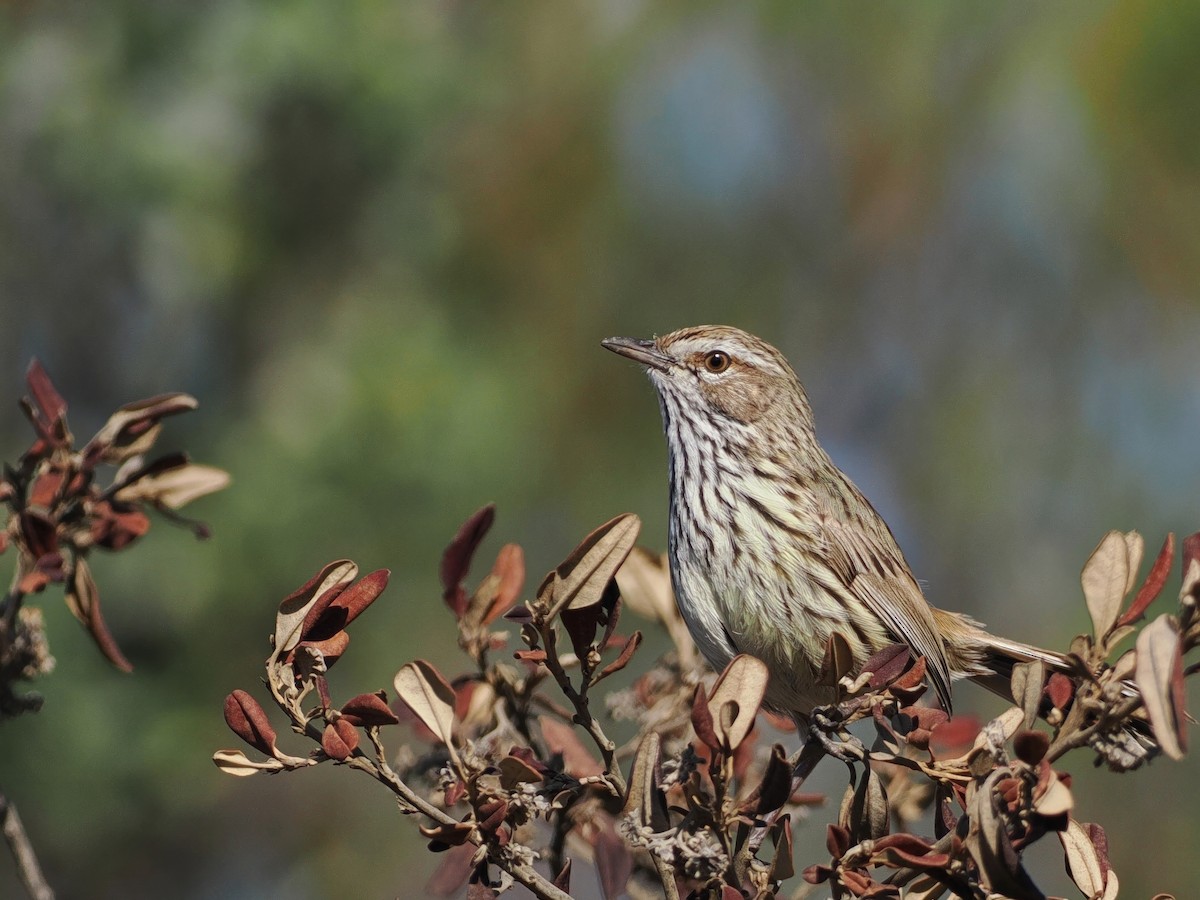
x,y
22,851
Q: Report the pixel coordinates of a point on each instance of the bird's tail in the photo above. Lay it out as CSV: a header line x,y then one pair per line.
x,y
989,661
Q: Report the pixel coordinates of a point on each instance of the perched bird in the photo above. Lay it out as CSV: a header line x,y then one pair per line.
x,y
772,548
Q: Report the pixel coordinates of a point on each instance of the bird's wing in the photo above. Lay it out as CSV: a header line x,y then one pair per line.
x,y
866,557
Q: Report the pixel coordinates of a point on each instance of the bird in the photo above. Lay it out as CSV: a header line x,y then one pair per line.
x,y
772,549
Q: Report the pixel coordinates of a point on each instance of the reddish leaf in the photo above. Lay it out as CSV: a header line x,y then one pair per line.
x,y
456,560
248,721
561,738
490,814
45,488
331,649
39,533
339,740
333,612
444,836
702,721
84,600
530,656
1191,550
614,865
451,875
837,840
369,710
581,625
296,611
631,645
887,664
48,407
1153,585
562,880
1060,690
776,785
510,572
951,739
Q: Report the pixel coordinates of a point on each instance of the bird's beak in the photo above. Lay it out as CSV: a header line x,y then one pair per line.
x,y
644,352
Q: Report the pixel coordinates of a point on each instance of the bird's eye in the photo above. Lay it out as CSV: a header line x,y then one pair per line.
x,y
717,361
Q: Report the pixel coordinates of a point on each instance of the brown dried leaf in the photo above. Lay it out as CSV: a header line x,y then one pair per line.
x,y
423,690
561,738
1105,579
369,710
293,609
562,880
339,740
514,771
83,599
336,609
614,864
509,570
1159,678
1030,746
246,718
452,873
581,578
776,785
838,661
702,720
887,664
622,660
48,409
456,559
735,699
782,867
235,762
1153,585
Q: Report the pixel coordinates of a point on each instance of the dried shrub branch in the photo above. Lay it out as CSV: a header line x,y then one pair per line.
x,y
697,803
62,503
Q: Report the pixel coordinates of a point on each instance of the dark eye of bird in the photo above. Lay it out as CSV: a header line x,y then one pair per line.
x,y
717,361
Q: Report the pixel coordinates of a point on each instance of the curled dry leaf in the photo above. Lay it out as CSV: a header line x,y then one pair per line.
x,y
294,608
736,697
83,599
1106,580
456,559
369,710
339,740
423,690
235,762
123,435
247,719
175,487
1159,678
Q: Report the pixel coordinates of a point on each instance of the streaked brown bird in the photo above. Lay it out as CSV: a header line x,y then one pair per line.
x,y
772,548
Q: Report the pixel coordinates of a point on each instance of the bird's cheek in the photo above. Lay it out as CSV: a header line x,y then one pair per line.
x,y
743,402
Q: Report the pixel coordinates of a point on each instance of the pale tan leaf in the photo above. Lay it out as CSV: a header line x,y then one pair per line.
x,y
1106,580
1135,550
177,487
1056,801
1083,862
290,619
237,763
643,802
736,697
562,738
1028,679
583,576
1158,658
429,696
645,583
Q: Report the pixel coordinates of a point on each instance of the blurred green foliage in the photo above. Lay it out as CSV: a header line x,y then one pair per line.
x,y
380,242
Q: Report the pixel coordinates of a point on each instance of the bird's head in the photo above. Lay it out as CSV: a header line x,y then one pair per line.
x,y
719,370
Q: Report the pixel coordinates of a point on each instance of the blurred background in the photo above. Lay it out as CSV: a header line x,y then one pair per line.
x,y
381,241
